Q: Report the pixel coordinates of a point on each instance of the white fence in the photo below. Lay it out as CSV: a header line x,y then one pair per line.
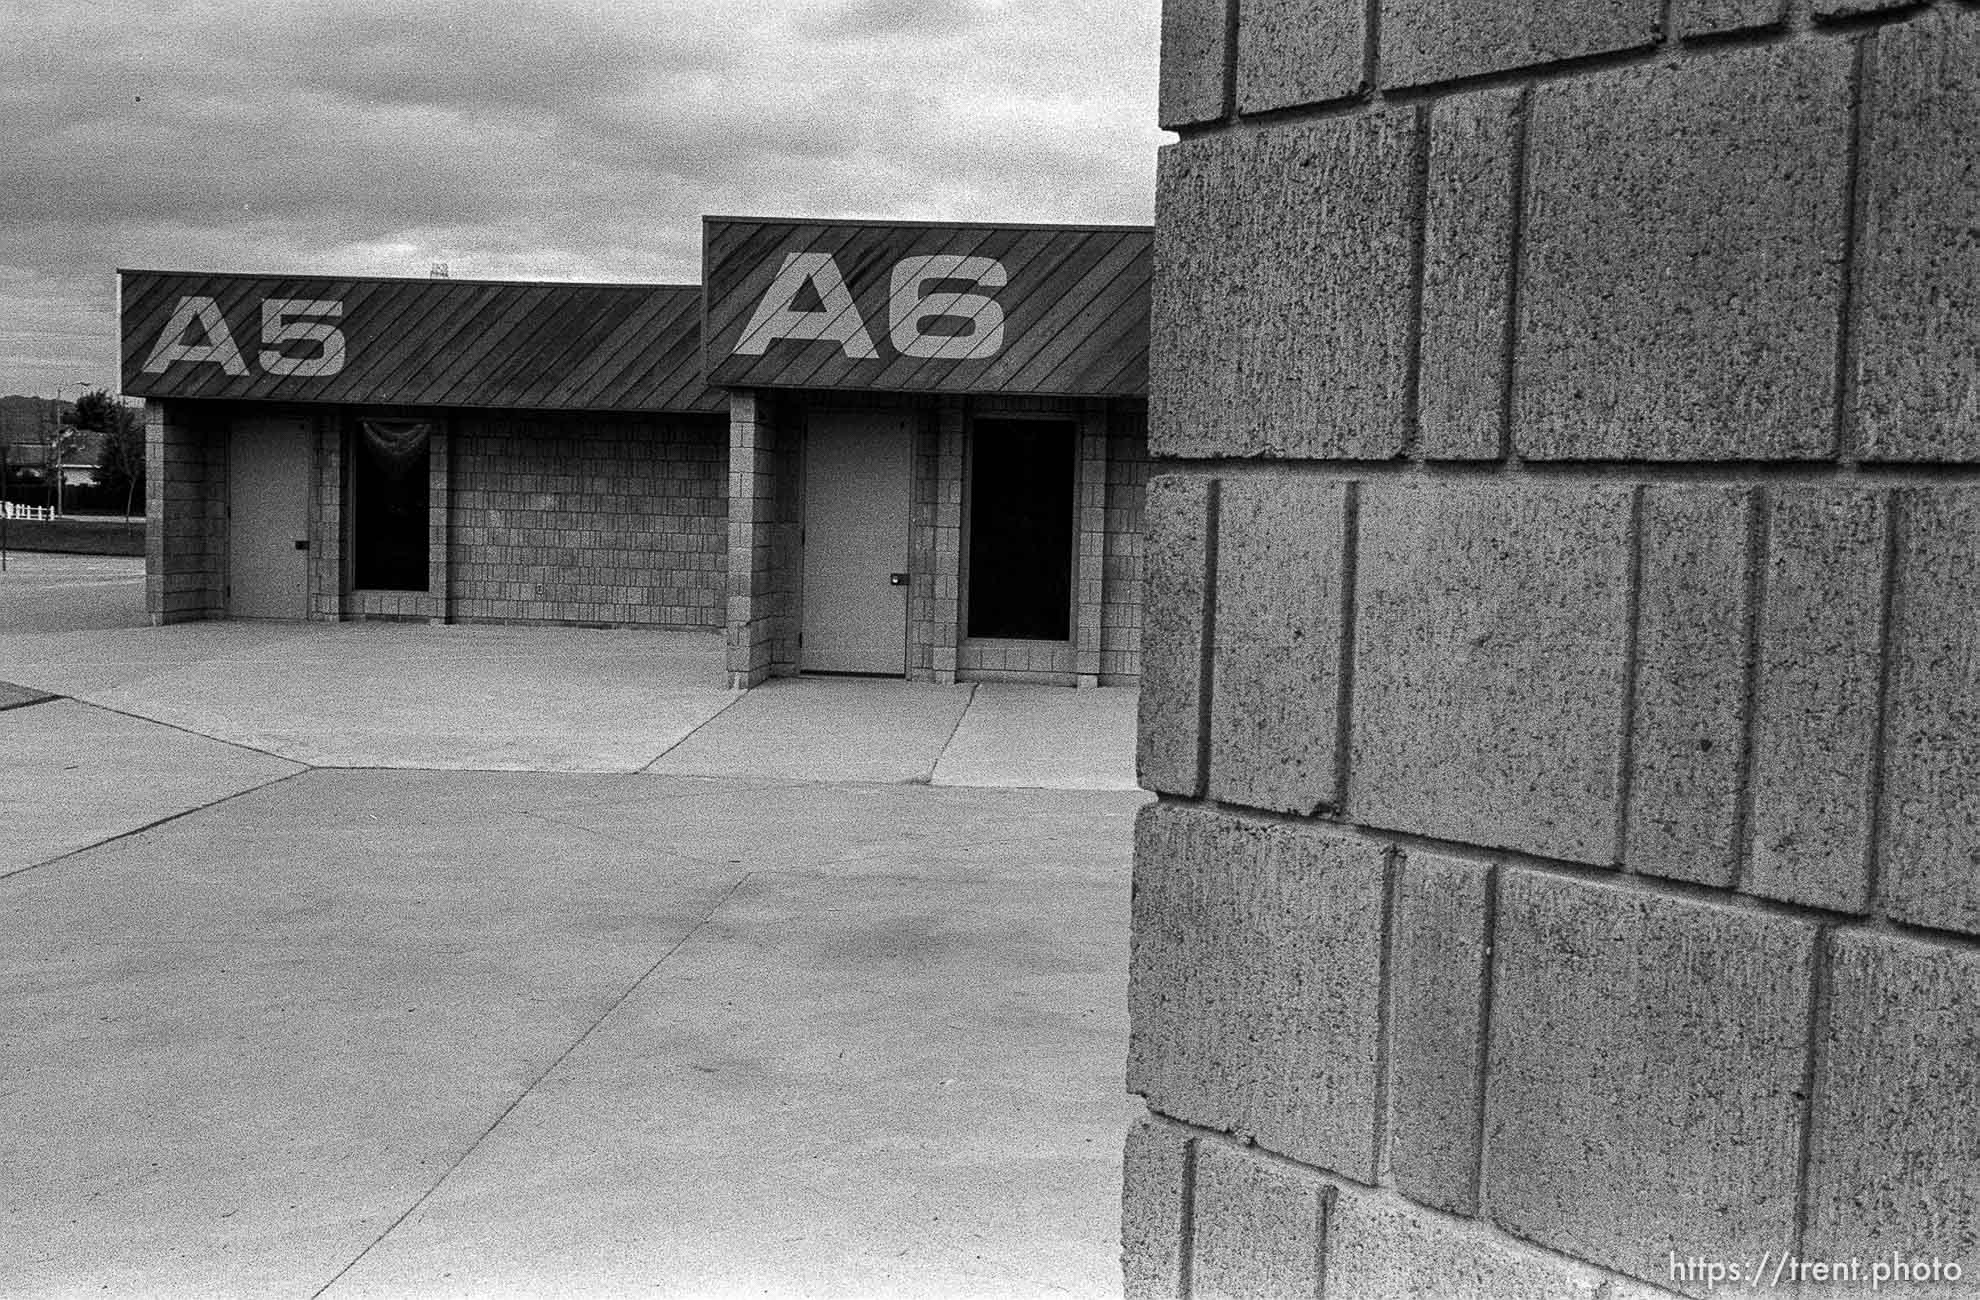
x,y
15,510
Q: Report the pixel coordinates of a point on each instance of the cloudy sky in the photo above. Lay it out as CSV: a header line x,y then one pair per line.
x,y
548,139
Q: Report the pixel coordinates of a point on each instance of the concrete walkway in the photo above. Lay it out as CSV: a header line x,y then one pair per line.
x,y
543,699
807,991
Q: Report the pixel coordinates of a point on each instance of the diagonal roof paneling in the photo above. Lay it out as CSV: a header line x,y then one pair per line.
x,y
1074,306
467,343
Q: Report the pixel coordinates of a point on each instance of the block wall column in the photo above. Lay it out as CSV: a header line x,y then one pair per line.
x,y
1090,530
1127,488
185,530
923,627
1561,670
950,458
759,607
329,586
439,523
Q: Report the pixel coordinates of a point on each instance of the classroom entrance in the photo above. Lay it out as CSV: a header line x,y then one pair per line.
x,y
268,518
1021,529
858,479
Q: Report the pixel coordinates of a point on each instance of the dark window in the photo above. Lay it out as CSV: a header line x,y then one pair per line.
x,y
1021,529
389,499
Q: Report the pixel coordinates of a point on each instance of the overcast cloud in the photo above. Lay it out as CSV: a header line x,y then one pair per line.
x,y
547,139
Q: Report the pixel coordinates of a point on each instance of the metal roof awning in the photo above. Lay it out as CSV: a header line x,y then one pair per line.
x,y
906,306
877,306
458,343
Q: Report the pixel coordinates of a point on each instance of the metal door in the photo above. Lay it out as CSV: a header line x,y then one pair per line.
x,y
858,470
268,519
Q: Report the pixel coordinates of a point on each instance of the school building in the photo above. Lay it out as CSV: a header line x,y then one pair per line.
x,y
892,448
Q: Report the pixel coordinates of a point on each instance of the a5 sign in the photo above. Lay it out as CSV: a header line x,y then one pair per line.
x,y
412,342
197,333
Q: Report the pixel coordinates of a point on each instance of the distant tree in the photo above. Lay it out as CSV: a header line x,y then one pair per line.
x,y
64,437
95,411
120,463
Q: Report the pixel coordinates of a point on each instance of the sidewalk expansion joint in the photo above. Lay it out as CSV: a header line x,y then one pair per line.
x,y
188,731
33,698
152,825
646,769
543,1074
928,777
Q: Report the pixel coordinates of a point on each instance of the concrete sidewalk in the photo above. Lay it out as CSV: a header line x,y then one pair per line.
x,y
516,1034
286,1023
570,700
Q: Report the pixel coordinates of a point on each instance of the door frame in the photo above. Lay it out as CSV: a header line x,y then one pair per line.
x,y
883,421
1076,419
239,425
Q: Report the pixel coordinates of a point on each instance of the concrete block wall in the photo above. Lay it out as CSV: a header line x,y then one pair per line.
x,y
1042,662
1561,662
756,612
935,559
329,561
1127,483
185,567
572,519
1090,543
613,521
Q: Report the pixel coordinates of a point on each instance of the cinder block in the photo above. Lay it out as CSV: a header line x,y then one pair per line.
x,y
1467,275
1193,81
1689,719
1818,681
1717,17
1917,335
1437,1025
1894,1159
1292,52
1929,848
1379,1248
1489,664
1254,982
1179,522
1682,287
1437,40
1158,1170
1260,1228
1276,680
1648,1055
1283,267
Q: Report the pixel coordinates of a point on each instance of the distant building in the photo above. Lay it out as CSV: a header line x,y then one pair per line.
x,y
902,449
27,420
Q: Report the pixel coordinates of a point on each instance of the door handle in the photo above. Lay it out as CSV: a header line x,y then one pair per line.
x,y
897,580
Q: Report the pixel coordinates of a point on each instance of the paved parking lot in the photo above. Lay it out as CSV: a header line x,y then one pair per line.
x,y
42,592
441,961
